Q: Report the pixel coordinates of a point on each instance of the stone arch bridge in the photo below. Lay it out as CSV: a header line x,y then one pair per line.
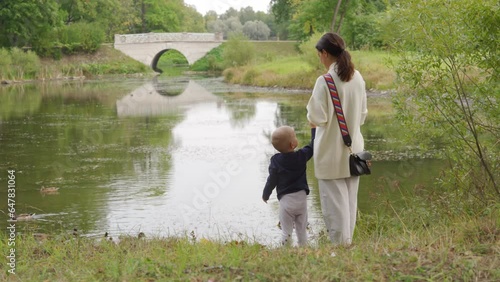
x,y
147,48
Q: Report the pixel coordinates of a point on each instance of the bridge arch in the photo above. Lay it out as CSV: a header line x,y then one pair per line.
x,y
156,59
147,48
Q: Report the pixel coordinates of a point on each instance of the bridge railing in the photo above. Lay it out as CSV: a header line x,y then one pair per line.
x,y
165,37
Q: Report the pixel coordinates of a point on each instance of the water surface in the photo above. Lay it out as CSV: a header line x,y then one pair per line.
x,y
166,157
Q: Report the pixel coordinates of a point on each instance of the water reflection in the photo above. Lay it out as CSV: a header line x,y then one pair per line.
x,y
162,157
159,98
219,155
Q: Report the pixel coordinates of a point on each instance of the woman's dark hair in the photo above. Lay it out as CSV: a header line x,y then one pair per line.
x,y
335,46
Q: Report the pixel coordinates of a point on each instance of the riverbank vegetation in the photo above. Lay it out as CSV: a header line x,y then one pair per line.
x,y
300,69
426,241
25,65
448,90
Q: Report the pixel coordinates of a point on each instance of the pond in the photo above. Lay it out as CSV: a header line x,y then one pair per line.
x,y
170,157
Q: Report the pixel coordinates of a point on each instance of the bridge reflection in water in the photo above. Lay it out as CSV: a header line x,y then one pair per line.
x,y
158,98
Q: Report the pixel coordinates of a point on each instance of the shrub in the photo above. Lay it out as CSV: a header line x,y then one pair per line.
x,y
212,61
24,64
228,75
309,52
81,37
449,89
238,51
5,63
250,76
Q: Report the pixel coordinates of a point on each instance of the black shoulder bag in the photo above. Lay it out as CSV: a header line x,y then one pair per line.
x,y
357,161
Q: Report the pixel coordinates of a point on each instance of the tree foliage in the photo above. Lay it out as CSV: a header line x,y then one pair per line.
x,y
256,30
24,23
80,37
449,90
234,22
358,21
48,25
227,27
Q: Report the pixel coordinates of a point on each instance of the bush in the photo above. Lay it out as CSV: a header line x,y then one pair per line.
x,y
238,51
228,75
309,52
5,64
81,38
24,64
212,61
250,76
47,45
449,89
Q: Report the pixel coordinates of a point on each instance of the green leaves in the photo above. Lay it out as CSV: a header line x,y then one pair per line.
x,y
24,22
449,85
38,23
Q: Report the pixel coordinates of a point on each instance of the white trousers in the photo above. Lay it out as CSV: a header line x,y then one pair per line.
x,y
339,203
293,210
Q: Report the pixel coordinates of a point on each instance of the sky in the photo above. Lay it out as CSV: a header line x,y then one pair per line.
x,y
220,6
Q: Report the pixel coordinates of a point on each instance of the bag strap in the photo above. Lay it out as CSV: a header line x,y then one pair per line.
x,y
338,110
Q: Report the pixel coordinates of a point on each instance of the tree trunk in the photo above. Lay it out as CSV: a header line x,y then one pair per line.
x,y
339,2
143,16
342,16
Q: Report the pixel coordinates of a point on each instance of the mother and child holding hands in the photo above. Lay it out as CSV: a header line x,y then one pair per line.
x,y
338,190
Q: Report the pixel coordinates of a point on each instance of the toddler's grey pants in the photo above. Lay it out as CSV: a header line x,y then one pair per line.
x,y
293,210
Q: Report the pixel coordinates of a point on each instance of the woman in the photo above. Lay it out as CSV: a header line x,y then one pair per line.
x,y
338,190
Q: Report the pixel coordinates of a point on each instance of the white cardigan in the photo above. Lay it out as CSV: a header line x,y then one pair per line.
x,y
331,156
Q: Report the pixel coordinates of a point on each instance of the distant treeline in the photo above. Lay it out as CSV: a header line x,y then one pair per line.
x,y
56,27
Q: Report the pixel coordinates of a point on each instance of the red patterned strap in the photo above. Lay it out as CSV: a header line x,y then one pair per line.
x,y
338,109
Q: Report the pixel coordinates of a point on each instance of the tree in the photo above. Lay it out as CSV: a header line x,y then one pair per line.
x,y
449,90
119,17
210,17
216,26
283,10
228,27
24,23
310,17
112,16
335,14
162,16
191,20
247,14
305,17
256,30
233,26
78,10
230,13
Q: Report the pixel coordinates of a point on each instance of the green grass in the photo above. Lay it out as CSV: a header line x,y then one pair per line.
x,y
285,65
294,72
416,243
375,68
266,49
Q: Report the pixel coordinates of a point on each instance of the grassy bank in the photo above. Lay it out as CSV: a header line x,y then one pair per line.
x,y
294,71
19,65
405,245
